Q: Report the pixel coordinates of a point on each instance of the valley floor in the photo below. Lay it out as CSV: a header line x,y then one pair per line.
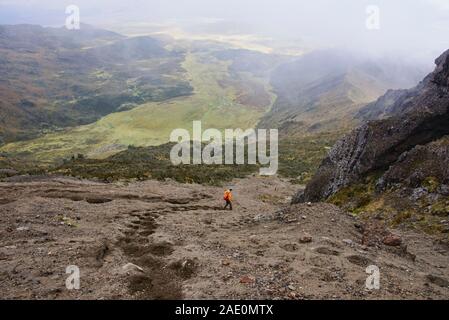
x,y
165,240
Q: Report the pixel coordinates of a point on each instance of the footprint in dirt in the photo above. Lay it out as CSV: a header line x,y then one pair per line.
x,y
242,223
290,247
327,251
360,260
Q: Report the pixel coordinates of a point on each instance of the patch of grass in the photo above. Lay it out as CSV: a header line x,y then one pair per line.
x,y
430,226
67,221
431,184
358,197
138,163
20,166
401,217
300,157
440,208
395,207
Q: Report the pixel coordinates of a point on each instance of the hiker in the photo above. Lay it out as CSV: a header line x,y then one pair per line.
x,y
228,198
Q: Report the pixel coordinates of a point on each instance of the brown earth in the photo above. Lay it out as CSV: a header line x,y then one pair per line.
x,y
165,240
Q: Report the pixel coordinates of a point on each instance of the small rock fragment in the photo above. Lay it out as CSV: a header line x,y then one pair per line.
x,y
306,238
392,240
129,267
225,262
253,239
247,280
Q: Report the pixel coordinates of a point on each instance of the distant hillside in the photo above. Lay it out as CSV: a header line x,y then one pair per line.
x,y
257,63
53,77
322,91
220,98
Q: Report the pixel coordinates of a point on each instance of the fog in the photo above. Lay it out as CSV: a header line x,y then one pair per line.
x,y
407,29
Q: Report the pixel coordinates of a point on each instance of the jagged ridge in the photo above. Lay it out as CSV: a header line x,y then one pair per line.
x,y
418,116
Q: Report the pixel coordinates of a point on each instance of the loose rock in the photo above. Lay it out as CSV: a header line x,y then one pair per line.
x,y
392,240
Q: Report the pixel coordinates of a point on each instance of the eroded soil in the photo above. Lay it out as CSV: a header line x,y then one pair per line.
x,y
165,240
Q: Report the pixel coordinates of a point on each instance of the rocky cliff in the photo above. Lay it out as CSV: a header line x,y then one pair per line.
x,y
407,121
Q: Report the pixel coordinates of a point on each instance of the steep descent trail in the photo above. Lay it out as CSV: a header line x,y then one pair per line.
x,y
165,240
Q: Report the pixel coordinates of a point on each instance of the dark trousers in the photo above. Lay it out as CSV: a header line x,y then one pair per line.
x,y
228,203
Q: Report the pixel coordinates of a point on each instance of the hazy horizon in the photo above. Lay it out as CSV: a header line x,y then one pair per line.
x,y
414,29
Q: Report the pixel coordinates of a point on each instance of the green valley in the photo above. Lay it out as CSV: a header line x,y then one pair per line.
x,y
215,101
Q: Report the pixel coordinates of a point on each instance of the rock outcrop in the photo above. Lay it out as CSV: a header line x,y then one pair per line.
x,y
417,117
423,165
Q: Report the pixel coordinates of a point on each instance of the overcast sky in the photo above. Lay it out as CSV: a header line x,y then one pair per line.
x,y
407,27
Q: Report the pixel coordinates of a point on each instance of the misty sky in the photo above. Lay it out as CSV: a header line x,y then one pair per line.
x,y
417,28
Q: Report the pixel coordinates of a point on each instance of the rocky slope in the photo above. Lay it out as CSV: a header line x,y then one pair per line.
x,y
165,240
416,117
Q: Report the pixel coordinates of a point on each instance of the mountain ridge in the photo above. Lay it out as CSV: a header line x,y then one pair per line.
x,y
395,167
378,143
323,90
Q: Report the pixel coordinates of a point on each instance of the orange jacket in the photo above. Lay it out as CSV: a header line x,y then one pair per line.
x,y
227,195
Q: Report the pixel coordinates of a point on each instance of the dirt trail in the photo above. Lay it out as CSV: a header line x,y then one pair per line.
x,y
165,240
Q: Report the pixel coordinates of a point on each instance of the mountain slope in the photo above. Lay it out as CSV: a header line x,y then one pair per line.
x,y
323,90
187,247
394,161
53,77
